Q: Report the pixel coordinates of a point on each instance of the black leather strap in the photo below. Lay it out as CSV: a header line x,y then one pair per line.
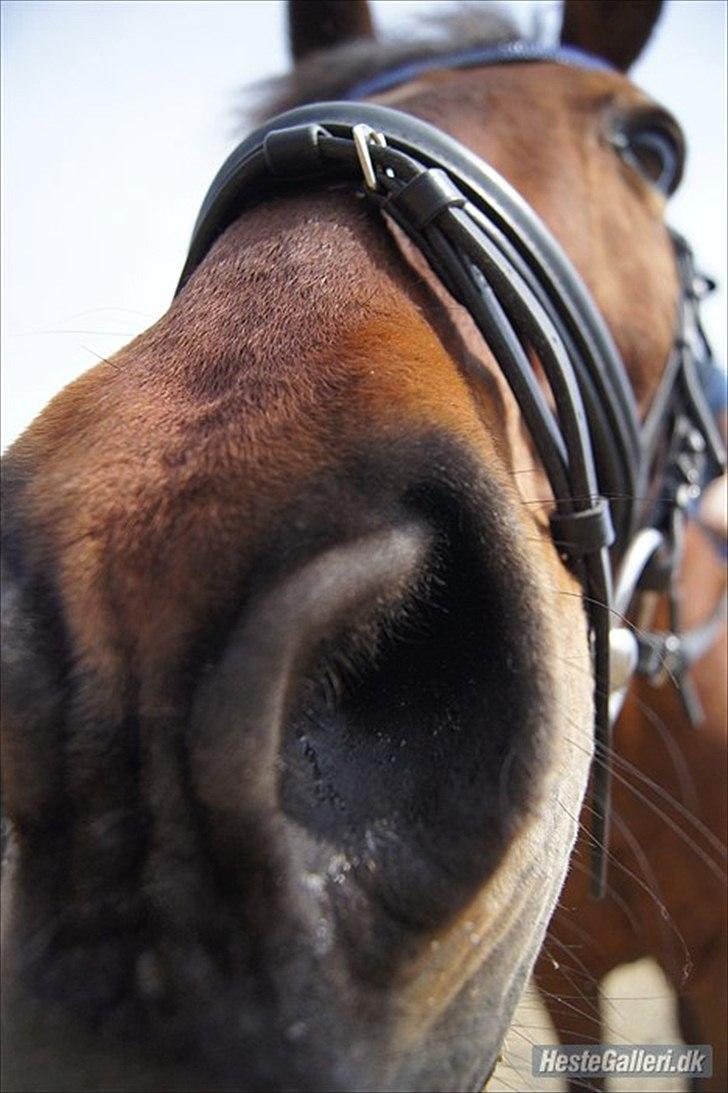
x,y
423,199
294,152
582,532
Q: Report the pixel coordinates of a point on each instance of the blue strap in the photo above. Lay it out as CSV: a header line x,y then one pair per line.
x,y
714,381
497,53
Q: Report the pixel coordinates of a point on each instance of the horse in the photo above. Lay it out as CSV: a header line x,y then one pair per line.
x,y
301,670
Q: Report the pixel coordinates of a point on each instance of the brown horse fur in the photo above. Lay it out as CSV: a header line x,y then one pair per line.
x,y
290,797
667,891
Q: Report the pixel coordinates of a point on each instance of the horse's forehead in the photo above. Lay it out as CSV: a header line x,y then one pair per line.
x,y
484,106
495,98
548,83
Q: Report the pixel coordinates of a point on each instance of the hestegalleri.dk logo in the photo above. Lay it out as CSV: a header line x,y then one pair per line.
x,y
636,1060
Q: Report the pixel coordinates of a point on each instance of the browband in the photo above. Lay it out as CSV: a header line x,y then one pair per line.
x,y
496,53
616,483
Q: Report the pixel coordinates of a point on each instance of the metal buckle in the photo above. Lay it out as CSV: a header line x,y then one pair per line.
x,y
363,136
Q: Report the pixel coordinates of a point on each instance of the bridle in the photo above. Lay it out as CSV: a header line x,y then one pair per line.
x,y
622,488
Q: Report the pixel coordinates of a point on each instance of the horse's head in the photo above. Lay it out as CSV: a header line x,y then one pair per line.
x,y
297,685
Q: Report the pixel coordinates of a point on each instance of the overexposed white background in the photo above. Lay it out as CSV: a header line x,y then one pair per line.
x,y
117,113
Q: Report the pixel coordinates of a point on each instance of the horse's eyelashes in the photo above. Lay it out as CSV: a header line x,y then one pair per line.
x,y
655,156
652,144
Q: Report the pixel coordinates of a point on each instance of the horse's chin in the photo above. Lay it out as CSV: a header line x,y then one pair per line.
x,y
356,800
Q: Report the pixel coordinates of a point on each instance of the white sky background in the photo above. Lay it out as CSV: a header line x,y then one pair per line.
x,y
117,114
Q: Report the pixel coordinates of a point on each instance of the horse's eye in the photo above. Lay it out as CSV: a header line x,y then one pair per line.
x,y
654,146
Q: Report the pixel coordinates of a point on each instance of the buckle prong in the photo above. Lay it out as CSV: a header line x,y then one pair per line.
x,y
364,136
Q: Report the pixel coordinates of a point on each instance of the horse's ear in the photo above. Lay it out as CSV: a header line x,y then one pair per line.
x,y
319,24
616,30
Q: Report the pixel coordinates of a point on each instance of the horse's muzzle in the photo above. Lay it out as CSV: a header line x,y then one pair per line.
x,y
323,789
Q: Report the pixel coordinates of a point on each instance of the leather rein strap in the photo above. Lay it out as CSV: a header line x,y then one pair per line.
x,y
498,259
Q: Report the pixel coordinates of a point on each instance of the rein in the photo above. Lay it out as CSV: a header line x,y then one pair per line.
x,y
622,487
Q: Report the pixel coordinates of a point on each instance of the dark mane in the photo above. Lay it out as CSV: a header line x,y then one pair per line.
x,y
330,73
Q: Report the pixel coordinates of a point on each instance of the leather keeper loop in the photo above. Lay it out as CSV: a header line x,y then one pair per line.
x,y
294,152
579,533
425,197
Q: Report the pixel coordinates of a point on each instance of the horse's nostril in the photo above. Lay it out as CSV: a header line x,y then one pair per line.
x,y
370,734
239,709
